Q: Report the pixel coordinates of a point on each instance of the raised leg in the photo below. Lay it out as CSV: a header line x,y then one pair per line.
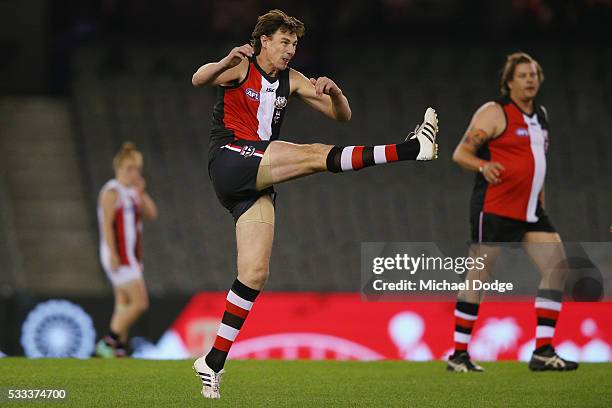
x,y
285,161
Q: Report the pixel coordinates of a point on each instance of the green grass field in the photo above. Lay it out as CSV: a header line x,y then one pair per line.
x,y
136,383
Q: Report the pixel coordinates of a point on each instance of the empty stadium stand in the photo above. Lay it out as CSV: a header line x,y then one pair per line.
x,y
49,231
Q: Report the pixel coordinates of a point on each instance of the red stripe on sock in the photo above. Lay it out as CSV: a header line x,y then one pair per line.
x,y
236,310
543,341
468,324
461,346
547,313
222,344
391,153
357,157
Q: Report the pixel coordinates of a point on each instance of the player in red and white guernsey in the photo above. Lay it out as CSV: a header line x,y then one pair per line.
x,y
506,145
246,158
122,204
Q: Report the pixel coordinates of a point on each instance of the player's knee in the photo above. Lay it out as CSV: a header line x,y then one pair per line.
x,y
121,307
140,305
471,296
255,276
316,155
259,275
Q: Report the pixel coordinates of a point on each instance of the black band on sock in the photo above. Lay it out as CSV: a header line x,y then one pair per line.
x,y
543,321
467,307
551,294
461,329
232,320
368,156
215,359
333,159
244,291
409,150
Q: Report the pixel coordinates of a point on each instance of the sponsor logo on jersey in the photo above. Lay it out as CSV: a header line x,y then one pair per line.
x,y
270,89
280,102
522,132
252,94
247,151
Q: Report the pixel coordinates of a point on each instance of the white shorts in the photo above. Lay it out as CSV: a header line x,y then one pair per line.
x,y
122,275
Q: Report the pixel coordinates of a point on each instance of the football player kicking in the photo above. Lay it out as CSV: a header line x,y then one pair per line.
x,y
246,159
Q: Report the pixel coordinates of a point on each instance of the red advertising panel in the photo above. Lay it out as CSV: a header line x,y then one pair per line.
x,y
342,326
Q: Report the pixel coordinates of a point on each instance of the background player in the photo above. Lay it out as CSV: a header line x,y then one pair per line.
x,y
506,145
123,201
246,160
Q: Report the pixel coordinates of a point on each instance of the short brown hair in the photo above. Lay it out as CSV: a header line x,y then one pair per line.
x,y
511,62
272,21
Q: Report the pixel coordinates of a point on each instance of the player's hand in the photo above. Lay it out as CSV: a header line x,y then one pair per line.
x,y
114,262
492,172
324,85
140,185
236,55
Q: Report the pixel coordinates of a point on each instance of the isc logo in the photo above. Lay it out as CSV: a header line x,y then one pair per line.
x,y
252,94
522,132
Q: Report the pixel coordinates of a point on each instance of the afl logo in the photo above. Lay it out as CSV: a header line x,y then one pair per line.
x,y
58,328
522,132
247,151
252,94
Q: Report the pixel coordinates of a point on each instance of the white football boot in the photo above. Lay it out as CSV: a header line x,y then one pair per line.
x,y
426,134
211,380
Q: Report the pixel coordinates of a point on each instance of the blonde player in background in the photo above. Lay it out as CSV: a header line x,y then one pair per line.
x,y
506,145
122,203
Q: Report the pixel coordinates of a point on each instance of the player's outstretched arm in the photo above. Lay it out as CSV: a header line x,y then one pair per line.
x,y
488,122
230,69
322,94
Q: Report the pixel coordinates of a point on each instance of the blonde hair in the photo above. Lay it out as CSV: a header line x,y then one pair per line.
x,y
127,151
512,61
